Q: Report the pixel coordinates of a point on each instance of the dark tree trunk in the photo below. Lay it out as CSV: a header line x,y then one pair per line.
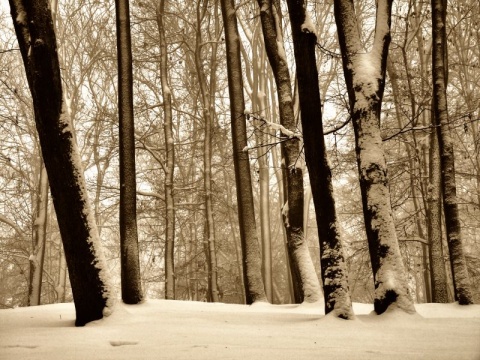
x,y
92,293
252,268
434,221
461,281
365,80
332,261
303,271
130,265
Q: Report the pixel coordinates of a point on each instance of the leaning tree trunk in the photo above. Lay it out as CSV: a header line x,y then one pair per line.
x,y
170,158
461,281
92,292
365,80
332,260
300,260
130,265
252,268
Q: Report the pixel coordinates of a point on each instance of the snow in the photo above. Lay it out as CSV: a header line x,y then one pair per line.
x,y
161,329
307,25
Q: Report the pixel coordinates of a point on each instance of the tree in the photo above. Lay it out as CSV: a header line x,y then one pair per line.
x,y
332,261
170,158
40,238
130,265
306,286
365,80
92,292
461,281
254,288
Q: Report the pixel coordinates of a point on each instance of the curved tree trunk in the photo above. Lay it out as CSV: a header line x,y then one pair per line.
x,y
92,292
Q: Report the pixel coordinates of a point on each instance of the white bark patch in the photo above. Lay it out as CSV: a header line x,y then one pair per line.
x,y
366,76
308,25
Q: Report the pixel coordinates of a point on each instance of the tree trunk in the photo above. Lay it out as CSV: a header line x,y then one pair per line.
x,y
434,222
300,260
461,281
365,80
332,260
40,238
130,265
254,288
89,277
170,158
208,100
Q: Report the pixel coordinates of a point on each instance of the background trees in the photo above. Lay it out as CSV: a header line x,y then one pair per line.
x,y
86,43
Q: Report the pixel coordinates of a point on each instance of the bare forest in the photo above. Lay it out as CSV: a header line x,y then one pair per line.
x,y
239,152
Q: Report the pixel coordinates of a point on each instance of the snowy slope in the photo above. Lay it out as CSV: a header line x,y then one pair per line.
x,y
192,330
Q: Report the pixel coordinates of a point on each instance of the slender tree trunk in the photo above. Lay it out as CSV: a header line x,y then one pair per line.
x,y
254,288
40,238
332,260
301,262
461,281
208,100
365,79
130,265
92,292
170,158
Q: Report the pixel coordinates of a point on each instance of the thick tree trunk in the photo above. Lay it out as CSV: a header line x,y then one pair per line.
x,y
365,79
332,260
300,259
254,288
434,221
170,158
92,292
461,281
129,253
39,240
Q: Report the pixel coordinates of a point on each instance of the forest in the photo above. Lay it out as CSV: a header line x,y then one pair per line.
x,y
239,152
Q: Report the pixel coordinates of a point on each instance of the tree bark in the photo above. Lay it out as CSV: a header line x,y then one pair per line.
x,y
129,253
332,260
461,281
89,278
170,158
434,221
365,80
254,288
300,259
39,241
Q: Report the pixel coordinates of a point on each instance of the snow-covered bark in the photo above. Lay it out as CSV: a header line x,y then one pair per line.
x,y
332,260
89,277
39,239
305,282
254,288
365,80
170,159
461,281
129,253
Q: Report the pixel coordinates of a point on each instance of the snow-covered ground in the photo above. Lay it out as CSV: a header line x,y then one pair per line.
x,y
179,330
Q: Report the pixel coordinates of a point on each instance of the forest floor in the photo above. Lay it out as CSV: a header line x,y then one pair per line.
x,y
159,329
